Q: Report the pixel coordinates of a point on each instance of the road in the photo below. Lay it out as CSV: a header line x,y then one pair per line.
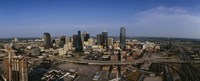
x,y
153,60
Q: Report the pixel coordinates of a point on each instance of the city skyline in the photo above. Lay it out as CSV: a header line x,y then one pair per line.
x,y
172,18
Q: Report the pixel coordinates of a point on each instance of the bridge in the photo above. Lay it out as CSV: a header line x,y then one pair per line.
x,y
153,60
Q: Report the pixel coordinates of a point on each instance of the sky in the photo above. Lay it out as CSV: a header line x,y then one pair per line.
x,y
149,18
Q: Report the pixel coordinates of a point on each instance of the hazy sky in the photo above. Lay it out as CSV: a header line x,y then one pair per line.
x,y
155,18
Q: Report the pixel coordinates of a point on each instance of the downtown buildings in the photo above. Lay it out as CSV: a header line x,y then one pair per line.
x,y
79,41
91,50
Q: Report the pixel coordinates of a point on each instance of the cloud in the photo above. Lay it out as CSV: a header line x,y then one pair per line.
x,y
167,22
160,21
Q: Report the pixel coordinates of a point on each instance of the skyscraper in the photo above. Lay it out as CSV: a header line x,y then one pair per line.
x,y
86,36
68,40
47,40
16,69
99,39
79,45
123,38
62,41
74,39
110,42
104,40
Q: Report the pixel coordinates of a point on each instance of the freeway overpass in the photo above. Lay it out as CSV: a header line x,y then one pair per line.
x,y
153,60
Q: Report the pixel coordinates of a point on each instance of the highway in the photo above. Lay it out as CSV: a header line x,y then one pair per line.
x,y
153,60
187,71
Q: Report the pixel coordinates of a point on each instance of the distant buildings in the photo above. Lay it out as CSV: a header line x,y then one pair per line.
x,y
122,38
16,40
47,40
80,42
15,69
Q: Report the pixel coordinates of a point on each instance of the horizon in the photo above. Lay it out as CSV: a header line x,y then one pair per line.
x,y
128,37
31,18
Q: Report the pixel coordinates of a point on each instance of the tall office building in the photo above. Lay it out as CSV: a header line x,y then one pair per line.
x,y
82,39
86,36
79,45
104,40
68,40
47,40
62,41
110,42
15,69
98,39
74,39
123,38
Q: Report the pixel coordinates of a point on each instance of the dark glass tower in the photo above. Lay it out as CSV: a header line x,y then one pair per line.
x,y
99,39
86,36
122,38
47,40
62,41
79,45
104,38
74,40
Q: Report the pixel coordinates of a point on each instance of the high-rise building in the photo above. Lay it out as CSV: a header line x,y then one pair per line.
x,y
110,42
68,40
98,39
62,41
68,46
104,38
57,43
53,41
74,38
79,45
123,38
86,36
15,69
82,39
47,40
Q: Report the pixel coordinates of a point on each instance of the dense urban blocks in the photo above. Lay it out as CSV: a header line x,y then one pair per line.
x,y
82,57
